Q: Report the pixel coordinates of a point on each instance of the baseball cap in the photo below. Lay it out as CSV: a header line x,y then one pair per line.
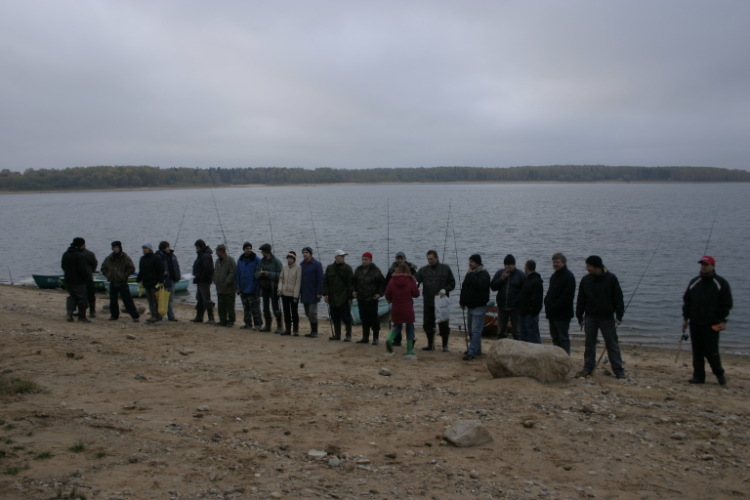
x,y
340,252
707,259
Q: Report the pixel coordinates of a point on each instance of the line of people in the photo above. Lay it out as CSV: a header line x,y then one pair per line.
x,y
280,288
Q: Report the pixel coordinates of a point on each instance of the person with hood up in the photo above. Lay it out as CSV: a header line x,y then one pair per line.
x,y
530,305
475,294
290,283
401,291
247,287
203,276
117,267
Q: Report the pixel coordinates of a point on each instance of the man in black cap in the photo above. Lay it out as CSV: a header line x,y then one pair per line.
x,y
118,267
507,283
434,277
203,276
705,307
77,273
600,300
475,294
267,273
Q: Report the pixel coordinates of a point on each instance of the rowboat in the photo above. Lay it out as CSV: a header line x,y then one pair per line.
x,y
47,280
383,309
100,282
180,286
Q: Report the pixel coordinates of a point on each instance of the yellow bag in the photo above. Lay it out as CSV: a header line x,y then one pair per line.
x,y
162,299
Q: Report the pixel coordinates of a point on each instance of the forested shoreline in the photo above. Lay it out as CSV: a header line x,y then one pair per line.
x,y
129,177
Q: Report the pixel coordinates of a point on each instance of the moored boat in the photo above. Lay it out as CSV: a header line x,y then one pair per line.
x,y
135,291
47,281
383,309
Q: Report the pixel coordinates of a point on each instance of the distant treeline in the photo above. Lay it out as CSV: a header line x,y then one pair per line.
x,y
153,177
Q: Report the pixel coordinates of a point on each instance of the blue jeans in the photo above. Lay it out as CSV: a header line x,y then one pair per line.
x,y
409,330
528,330
592,325
475,319
558,330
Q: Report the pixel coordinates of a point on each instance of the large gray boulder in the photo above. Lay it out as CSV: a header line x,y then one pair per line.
x,y
512,358
466,433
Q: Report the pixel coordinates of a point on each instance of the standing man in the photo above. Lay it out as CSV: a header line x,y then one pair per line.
x,y
530,304
90,290
311,289
433,277
118,267
600,300
475,294
203,276
338,286
369,285
705,308
77,274
151,274
400,258
172,274
507,283
247,286
225,279
267,273
558,304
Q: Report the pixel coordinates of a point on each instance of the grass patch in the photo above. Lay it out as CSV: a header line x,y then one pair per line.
x,y
100,454
10,386
79,447
73,495
43,455
13,471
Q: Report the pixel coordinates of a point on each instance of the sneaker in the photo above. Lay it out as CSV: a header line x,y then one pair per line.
x,y
583,374
696,381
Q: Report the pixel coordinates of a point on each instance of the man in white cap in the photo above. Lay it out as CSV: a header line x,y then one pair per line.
x,y
338,285
705,307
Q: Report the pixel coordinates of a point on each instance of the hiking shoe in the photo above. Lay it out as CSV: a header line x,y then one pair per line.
x,y
583,374
696,381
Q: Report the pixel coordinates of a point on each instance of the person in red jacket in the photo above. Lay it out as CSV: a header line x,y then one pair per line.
x,y
401,291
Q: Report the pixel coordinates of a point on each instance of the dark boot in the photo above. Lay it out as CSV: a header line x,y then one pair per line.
x,y
199,310
375,337
267,323
336,333
82,313
279,329
92,308
444,334
70,307
313,331
397,340
348,337
210,310
430,342
365,335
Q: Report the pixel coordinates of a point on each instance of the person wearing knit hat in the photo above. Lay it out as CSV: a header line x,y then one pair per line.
x,y
203,277
475,294
247,287
705,308
290,284
267,274
117,267
369,286
77,273
151,274
225,280
172,274
600,306
530,304
311,289
433,277
507,282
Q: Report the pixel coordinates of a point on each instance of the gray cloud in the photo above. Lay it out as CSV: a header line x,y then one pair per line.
x,y
374,84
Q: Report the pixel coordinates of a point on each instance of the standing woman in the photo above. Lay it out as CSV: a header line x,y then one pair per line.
x,y
401,291
290,283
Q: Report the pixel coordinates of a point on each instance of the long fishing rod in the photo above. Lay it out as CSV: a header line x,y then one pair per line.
x,y
447,223
387,231
270,225
708,241
11,276
317,250
458,270
645,270
179,230
218,216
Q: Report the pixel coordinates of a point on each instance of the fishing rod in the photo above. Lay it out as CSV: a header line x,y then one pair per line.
x,y
387,232
270,226
11,276
710,232
218,216
645,270
458,270
179,230
447,222
317,250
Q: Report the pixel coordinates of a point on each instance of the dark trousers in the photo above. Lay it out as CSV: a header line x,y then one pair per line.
x,y
529,329
559,331
270,302
251,306
341,314
592,325
203,298
368,313
91,296
503,317
122,292
705,343
291,313
153,303
77,298
226,308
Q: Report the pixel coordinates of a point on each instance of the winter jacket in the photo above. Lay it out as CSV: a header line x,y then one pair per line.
x,y
530,298
433,279
118,268
558,304
412,268
401,292
508,289
290,281
368,282
225,275
270,268
90,259
76,268
707,300
475,290
245,278
172,273
312,281
203,267
338,284
600,296
150,270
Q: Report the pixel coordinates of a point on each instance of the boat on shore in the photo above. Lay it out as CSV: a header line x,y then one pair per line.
x,y
137,291
100,282
47,281
384,307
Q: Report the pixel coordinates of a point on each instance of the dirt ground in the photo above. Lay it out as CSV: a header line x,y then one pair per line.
x,y
179,410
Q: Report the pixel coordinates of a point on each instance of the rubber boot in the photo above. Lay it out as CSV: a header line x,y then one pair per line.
x,y
199,310
70,307
410,350
92,308
313,331
375,337
365,335
266,323
336,333
279,329
348,337
430,342
444,335
210,310
391,337
82,313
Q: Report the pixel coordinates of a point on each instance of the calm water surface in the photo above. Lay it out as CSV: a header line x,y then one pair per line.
x,y
649,235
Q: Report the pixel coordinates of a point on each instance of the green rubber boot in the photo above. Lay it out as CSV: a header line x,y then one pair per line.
x,y
389,341
410,348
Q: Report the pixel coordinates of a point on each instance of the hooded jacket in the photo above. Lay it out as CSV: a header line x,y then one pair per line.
x,y
246,267
76,268
150,270
600,296
203,267
475,290
530,297
401,292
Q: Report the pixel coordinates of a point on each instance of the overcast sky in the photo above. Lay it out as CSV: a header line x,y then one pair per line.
x,y
379,83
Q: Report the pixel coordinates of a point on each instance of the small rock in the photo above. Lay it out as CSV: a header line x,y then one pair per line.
x,y
317,454
334,462
679,436
130,336
474,474
384,372
140,377
203,408
528,423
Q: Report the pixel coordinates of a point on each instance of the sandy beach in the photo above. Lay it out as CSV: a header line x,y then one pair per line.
x,y
181,410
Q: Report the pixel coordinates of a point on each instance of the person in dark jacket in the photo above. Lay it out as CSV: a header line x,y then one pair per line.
x,y
77,274
203,276
600,307
530,304
475,294
151,274
312,289
172,274
507,283
401,291
401,257
434,277
369,285
267,274
558,304
225,279
117,267
247,287
705,308
337,292
90,288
